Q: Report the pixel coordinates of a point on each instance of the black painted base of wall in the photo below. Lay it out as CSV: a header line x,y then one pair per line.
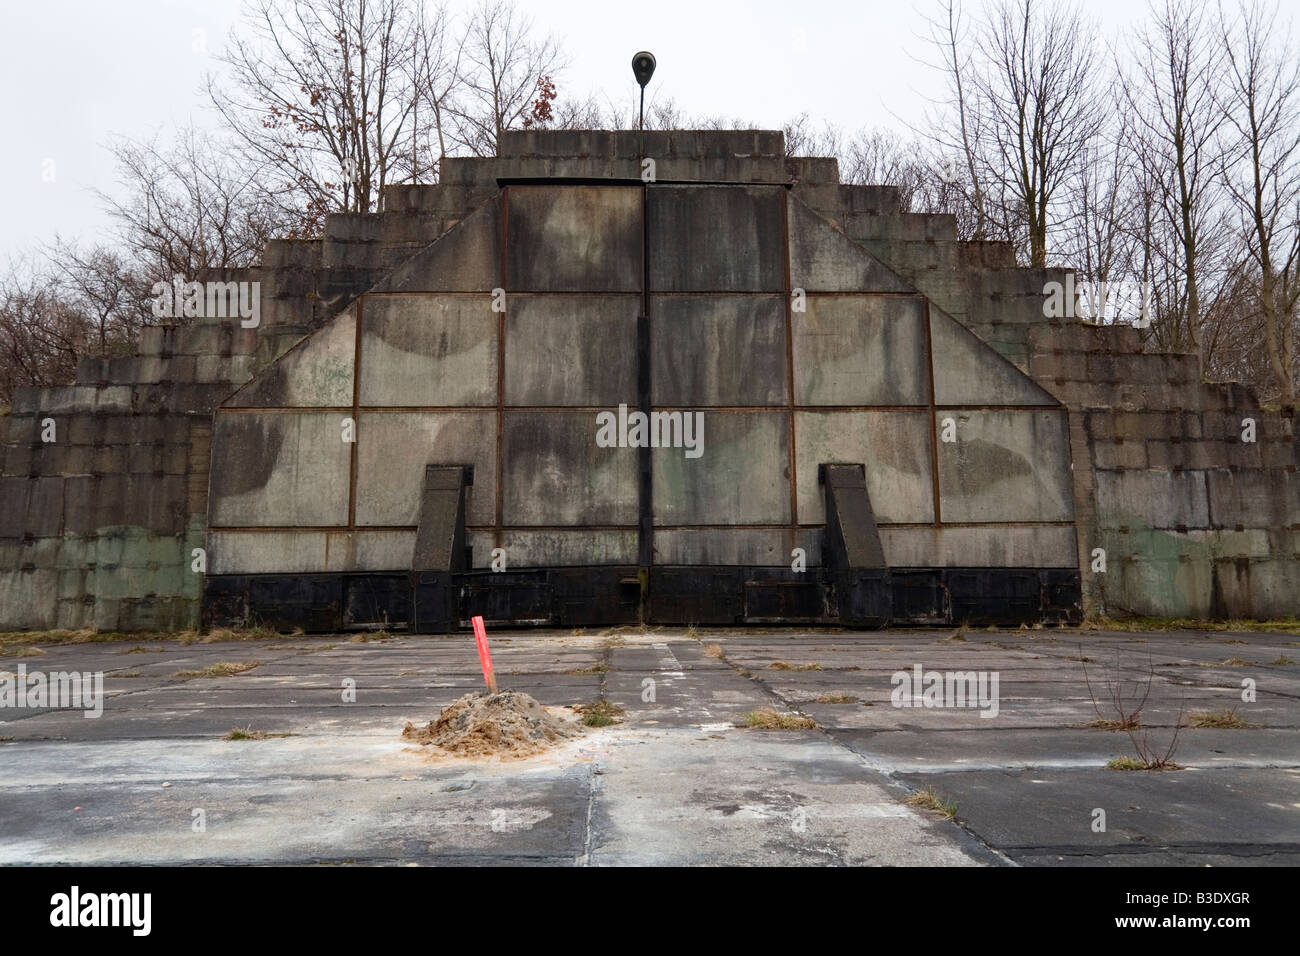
x,y
437,602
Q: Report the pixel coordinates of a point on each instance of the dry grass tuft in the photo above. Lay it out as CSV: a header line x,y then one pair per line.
x,y
221,669
247,733
927,799
601,713
1216,719
769,719
600,667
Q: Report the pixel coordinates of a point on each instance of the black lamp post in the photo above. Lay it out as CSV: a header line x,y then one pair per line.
x,y
643,67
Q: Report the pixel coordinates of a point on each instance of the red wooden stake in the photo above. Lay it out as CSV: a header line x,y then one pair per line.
x,y
484,655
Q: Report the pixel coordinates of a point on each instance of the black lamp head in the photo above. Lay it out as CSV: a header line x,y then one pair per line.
x,y
643,66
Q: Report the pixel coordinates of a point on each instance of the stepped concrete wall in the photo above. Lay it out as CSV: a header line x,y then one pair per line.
x,y
98,526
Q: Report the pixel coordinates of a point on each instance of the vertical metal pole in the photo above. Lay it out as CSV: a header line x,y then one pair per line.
x,y
645,464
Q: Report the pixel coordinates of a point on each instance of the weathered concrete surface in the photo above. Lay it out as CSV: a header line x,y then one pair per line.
x,y
279,469
710,156
428,350
1027,781
895,445
675,784
742,477
826,260
435,342
718,350
394,447
678,782
994,546
968,372
556,474
574,239
316,372
689,253
571,350
1195,520
271,552
1004,465
556,547
745,547
860,350
469,260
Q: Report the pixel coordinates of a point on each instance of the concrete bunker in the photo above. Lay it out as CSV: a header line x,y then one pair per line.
x,y
431,452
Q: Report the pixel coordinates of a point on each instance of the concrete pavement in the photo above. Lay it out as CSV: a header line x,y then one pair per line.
x,y
680,781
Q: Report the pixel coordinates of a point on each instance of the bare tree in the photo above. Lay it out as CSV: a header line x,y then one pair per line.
x,y
1170,85
63,305
192,206
586,113
502,61
436,65
104,288
40,338
957,132
1101,239
1262,173
325,93
802,138
1036,84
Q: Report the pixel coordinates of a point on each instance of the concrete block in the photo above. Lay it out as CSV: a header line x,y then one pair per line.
x,y
44,512
860,350
825,199
74,614
105,614
968,372
1256,498
17,459
1005,466
1274,454
823,259
571,350
716,238
574,239
428,350
15,492
741,477
1159,573
279,469
28,599
554,473
719,350
466,259
317,372
1158,500
41,553
1134,454
873,199
393,449
814,169
91,370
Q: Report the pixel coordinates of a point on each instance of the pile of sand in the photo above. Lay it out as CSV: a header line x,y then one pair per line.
x,y
507,724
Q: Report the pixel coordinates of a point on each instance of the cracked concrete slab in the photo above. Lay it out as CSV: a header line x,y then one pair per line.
x,y
681,781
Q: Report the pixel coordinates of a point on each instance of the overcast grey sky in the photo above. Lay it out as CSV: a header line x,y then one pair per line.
x,y
78,72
